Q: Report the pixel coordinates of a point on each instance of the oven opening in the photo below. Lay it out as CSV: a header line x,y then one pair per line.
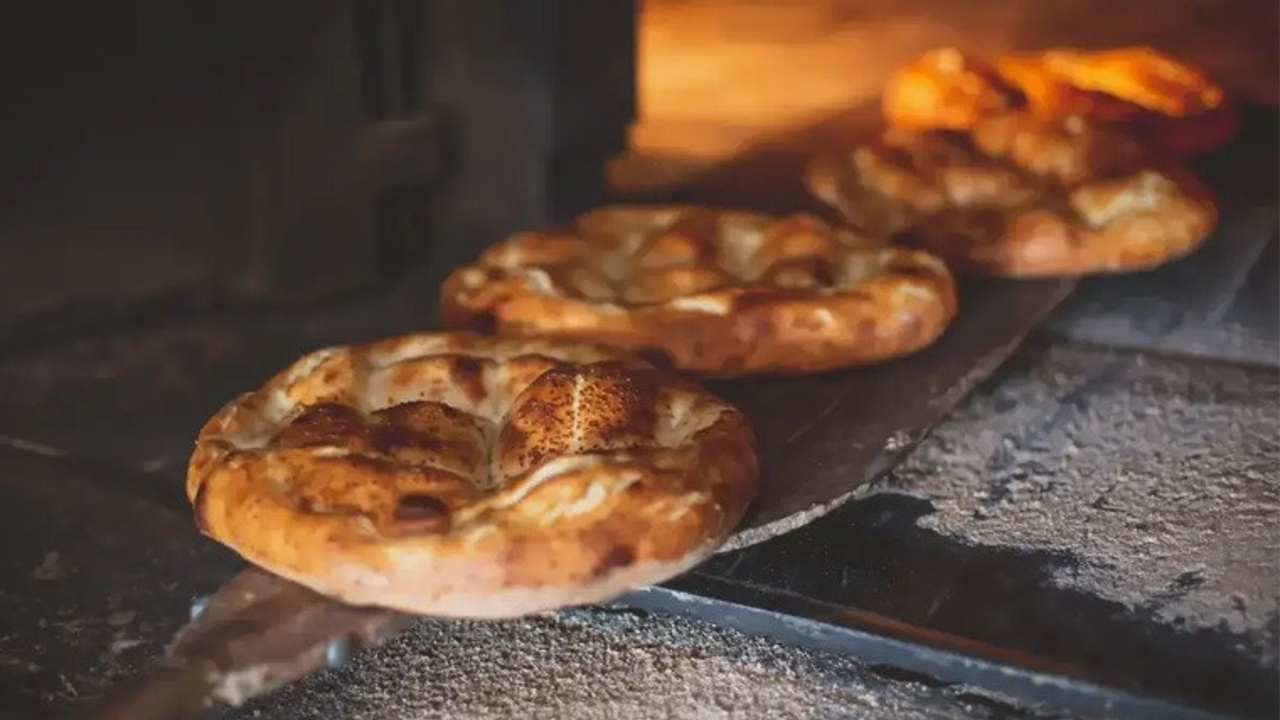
x,y
716,78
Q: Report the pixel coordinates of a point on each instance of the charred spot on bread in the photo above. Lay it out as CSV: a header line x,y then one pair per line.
x,y
617,556
468,373
323,423
421,510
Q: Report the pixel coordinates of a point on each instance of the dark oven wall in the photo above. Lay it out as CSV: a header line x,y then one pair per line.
x,y
286,150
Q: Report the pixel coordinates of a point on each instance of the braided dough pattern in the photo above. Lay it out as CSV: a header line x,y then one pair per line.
x,y
459,475
717,292
1018,196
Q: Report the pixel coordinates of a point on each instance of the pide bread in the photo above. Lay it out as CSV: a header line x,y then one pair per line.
x,y
458,475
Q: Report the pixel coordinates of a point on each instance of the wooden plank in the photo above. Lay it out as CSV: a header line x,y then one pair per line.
x,y
822,438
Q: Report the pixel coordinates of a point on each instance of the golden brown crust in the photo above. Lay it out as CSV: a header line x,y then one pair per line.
x,y
458,475
1139,76
717,292
945,88
1170,105
1021,197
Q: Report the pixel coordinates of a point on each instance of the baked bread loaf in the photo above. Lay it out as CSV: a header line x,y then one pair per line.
x,y
1169,105
465,476
717,292
1018,196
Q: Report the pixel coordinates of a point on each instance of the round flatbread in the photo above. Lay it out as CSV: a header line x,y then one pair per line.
x,y
717,292
1017,196
1171,106
459,475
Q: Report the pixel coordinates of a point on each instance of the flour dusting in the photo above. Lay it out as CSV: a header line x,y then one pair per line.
x,y
598,664
1162,477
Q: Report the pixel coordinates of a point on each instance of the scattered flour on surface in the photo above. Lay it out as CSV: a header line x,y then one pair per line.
x,y
1161,477
598,664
